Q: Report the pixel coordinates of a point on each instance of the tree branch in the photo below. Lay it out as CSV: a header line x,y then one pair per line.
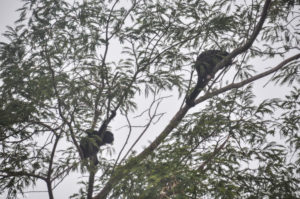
x,y
125,170
21,173
252,38
201,167
213,154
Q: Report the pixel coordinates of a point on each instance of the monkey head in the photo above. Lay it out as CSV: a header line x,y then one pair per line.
x,y
108,137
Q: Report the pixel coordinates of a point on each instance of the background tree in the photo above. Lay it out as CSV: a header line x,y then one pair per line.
x,y
67,67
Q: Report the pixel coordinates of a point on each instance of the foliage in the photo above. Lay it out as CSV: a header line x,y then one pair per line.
x,y
66,66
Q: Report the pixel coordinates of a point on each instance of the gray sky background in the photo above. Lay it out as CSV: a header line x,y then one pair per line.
x,y
8,14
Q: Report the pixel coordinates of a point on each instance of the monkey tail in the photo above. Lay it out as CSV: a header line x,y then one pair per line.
x,y
201,83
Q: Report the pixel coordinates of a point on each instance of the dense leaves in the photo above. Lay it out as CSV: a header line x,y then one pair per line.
x,y
66,66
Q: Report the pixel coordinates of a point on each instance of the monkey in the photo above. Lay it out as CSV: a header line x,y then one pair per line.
x,y
91,143
206,69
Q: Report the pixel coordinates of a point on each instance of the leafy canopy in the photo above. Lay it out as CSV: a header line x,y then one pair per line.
x,y
65,66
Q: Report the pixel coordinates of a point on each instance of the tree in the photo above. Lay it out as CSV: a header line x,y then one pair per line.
x,y
68,67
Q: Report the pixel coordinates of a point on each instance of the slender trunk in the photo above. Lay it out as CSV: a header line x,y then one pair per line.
x,y
93,171
49,187
91,185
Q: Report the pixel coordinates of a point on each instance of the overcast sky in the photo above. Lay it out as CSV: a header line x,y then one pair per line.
x,y
8,13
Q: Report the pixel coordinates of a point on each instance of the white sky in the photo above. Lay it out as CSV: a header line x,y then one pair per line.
x,y
8,14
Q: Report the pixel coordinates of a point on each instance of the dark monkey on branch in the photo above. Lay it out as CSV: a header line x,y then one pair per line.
x,y
206,69
91,143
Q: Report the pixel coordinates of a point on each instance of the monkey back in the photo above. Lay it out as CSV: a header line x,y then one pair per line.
x,y
206,68
207,61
